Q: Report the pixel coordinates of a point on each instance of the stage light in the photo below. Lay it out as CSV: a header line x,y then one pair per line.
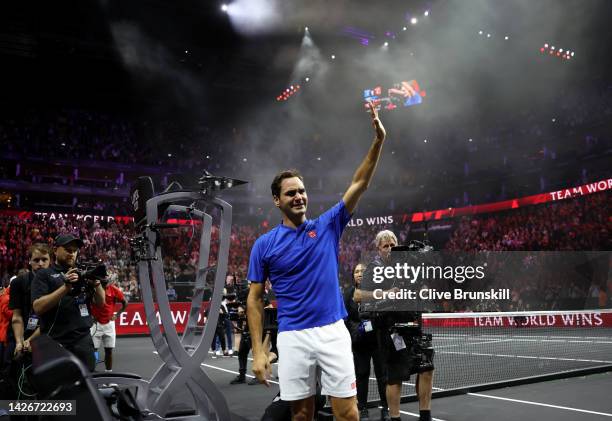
x,y
488,35
572,54
318,158
386,44
224,7
470,139
186,51
169,155
560,50
307,79
306,28
506,37
425,141
244,160
552,47
333,57
554,119
207,156
414,21
426,13
542,49
479,32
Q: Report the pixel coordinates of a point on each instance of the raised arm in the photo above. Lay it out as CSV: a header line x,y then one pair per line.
x,y
365,171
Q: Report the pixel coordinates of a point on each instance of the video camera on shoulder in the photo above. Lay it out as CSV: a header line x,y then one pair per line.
x,y
237,299
88,272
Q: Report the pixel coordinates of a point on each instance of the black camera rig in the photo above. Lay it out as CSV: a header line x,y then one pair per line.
x,y
87,272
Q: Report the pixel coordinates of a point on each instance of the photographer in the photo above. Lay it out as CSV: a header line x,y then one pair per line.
x,y
103,329
61,297
403,349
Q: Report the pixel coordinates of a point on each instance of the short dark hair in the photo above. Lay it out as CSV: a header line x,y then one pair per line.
x,y
276,183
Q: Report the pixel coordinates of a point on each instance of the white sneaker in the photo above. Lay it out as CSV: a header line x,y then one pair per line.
x,y
230,352
218,352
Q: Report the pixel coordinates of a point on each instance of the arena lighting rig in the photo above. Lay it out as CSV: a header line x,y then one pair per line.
x,y
559,52
288,93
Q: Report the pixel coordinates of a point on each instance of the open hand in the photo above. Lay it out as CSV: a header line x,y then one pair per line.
x,y
376,123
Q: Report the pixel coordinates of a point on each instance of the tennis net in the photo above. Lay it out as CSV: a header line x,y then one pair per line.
x,y
479,351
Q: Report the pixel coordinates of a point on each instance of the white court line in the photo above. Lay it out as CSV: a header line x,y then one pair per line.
x,y
272,381
417,415
232,372
471,394
567,408
234,355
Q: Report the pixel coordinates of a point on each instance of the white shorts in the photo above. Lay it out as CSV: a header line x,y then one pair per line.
x,y
306,354
103,333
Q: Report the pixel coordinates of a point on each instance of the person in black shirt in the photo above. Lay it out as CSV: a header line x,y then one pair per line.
x,y
365,349
63,309
25,322
399,362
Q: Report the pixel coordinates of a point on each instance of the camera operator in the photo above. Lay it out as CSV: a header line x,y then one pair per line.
x,y
402,349
61,297
365,349
103,329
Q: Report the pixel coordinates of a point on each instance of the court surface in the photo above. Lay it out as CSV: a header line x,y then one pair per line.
x,y
580,398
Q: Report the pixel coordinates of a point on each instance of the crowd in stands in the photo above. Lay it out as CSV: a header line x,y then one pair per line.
x,y
582,224
102,241
579,224
529,142
567,225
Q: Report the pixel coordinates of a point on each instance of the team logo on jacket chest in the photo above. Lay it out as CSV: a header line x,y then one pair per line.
x,y
312,234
